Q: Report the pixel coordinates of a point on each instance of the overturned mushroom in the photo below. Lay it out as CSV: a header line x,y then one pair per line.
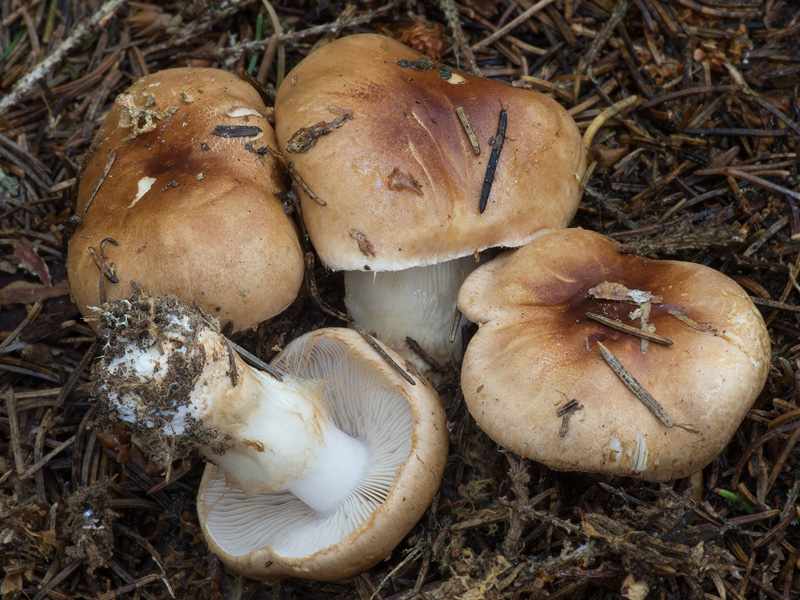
x,y
559,370
419,164
318,471
180,195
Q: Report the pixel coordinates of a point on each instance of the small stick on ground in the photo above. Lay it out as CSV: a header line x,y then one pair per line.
x,y
423,354
76,373
604,116
112,155
32,313
454,326
454,22
45,459
521,18
13,422
311,282
377,347
296,177
267,97
79,32
774,304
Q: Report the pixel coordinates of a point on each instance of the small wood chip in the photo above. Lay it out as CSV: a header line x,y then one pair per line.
x,y
305,138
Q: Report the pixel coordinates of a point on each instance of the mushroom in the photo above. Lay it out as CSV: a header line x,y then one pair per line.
x,y
594,360
319,467
180,195
415,164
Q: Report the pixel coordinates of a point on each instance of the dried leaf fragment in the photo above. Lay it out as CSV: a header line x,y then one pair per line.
x,y
139,119
399,180
608,290
304,139
366,247
27,255
634,589
22,292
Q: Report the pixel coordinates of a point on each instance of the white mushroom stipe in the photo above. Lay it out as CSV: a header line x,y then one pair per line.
x,y
418,302
277,433
338,470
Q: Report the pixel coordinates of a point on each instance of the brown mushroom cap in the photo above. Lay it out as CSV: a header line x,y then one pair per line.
x,y
190,212
272,535
536,351
399,175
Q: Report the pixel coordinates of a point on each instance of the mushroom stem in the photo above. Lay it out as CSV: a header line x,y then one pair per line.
x,y
167,370
417,302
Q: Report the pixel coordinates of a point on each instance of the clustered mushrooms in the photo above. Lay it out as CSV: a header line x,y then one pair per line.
x,y
413,164
181,196
544,374
319,469
586,358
